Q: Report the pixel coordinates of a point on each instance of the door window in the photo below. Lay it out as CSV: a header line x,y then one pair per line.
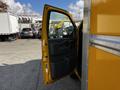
x,y
60,26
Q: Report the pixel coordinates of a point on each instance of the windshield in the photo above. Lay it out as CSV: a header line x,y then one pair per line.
x,y
26,29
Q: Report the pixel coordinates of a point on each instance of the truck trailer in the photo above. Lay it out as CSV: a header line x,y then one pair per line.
x,y
91,51
24,25
9,28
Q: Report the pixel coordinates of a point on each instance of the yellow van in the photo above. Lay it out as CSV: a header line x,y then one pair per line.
x,y
91,50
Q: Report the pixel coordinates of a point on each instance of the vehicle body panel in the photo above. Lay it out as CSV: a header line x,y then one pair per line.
x,y
26,32
8,24
104,53
101,46
24,25
48,64
103,70
105,17
13,20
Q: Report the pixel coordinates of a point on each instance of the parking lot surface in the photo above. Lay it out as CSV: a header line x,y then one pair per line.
x,y
20,68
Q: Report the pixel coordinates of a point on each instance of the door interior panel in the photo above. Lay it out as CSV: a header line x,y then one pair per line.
x,y
59,44
63,56
79,64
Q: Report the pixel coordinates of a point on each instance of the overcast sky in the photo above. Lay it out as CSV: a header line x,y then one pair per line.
x,y
36,6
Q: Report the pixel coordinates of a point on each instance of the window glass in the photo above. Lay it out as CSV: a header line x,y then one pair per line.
x,y
60,26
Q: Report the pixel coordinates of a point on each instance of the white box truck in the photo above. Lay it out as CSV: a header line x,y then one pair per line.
x,y
24,25
9,27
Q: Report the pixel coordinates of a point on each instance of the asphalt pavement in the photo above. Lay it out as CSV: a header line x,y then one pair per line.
x,y
20,68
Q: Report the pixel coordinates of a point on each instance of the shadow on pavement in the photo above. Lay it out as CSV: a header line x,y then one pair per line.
x,y
19,76
66,83
28,76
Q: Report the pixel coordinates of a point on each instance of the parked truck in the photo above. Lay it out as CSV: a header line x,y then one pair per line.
x,y
9,28
24,25
91,51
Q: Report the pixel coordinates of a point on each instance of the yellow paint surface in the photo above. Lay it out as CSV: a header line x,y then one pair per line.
x,y
105,17
103,70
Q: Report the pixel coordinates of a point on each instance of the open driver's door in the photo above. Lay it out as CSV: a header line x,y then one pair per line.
x,y
59,44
